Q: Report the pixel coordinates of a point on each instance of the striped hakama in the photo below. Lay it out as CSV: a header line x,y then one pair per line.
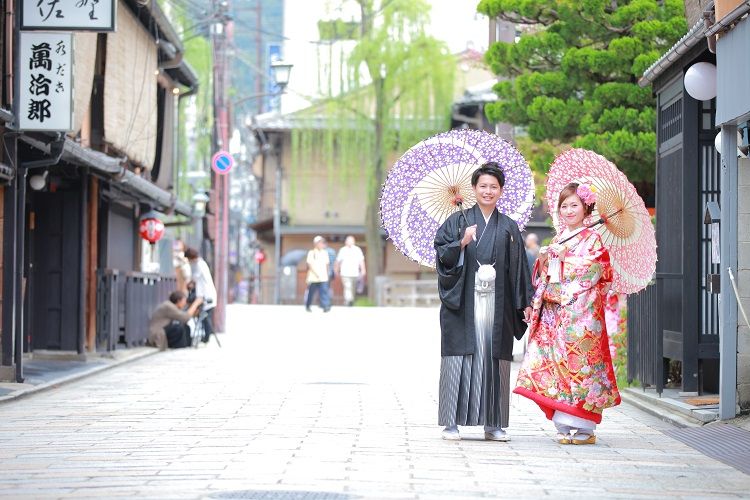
x,y
475,388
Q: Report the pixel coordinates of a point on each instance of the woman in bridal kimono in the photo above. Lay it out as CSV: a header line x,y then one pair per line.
x,y
567,369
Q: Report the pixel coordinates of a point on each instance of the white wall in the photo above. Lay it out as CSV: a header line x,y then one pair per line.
x,y
743,282
459,25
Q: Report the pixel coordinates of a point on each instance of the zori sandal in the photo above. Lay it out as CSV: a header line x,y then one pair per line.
x,y
563,438
583,439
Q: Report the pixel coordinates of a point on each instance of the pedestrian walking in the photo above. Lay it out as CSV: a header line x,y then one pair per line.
x,y
485,290
331,273
567,369
204,289
350,266
318,267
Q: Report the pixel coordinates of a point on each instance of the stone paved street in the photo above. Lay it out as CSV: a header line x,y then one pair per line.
x,y
343,404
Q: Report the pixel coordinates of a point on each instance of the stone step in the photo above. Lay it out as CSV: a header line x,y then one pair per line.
x,y
670,409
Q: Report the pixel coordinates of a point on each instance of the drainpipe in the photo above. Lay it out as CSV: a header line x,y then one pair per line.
x,y
10,53
709,18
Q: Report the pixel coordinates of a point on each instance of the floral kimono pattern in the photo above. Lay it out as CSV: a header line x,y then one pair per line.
x,y
616,315
568,365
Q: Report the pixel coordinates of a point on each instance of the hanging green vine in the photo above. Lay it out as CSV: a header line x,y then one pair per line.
x,y
395,89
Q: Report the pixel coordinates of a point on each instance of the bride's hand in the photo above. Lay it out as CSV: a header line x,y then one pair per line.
x,y
543,254
558,250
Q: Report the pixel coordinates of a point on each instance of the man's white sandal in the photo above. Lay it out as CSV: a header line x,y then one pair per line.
x,y
451,434
497,435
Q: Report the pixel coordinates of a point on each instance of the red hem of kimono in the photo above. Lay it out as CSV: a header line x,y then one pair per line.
x,y
549,406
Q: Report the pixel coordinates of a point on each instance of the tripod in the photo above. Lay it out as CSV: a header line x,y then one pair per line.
x,y
200,330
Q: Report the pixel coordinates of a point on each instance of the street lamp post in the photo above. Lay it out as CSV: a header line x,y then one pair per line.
x,y
277,226
281,71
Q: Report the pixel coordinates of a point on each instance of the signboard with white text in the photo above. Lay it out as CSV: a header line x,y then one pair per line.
x,y
73,15
45,66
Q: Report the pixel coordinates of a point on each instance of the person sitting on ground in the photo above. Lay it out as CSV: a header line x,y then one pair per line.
x,y
168,325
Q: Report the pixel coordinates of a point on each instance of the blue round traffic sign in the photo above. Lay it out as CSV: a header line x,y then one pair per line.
x,y
222,162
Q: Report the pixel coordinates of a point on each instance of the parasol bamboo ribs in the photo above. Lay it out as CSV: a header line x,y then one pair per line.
x,y
602,220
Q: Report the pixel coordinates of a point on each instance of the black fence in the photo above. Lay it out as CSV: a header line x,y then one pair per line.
x,y
107,309
124,303
645,346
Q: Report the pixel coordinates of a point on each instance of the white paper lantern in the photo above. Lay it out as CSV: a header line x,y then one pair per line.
x,y
717,142
38,182
700,81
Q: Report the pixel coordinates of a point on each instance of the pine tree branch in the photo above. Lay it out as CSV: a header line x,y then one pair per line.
x,y
545,19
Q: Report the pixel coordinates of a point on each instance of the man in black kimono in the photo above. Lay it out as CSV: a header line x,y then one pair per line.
x,y
485,290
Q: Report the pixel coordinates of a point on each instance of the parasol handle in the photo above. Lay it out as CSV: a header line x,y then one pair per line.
x,y
605,218
602,220
461,208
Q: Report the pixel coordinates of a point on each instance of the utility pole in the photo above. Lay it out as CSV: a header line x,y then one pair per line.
x,y
259,51
221,39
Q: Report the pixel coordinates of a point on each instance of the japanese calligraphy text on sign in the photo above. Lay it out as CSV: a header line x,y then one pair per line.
x,y
46,81
77,15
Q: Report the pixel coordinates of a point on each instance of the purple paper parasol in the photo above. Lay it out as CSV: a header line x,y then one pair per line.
x,y
421,188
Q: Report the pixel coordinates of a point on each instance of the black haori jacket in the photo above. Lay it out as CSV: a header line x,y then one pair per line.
x,y
513,290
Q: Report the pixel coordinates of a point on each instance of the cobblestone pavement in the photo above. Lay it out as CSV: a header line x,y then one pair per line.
x,y
312,405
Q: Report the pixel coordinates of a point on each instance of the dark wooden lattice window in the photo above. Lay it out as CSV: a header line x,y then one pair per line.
x,y
670,121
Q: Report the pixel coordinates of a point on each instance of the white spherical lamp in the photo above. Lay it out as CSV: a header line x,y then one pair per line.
x,y
700,81
717,143
38,182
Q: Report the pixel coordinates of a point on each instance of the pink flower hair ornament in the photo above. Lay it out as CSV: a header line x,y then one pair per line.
x,y
586,193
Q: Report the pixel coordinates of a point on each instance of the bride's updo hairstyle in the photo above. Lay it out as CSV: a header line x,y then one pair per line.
x,y
570,190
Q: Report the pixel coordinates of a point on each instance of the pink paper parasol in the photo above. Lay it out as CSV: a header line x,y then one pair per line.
x,y
620,215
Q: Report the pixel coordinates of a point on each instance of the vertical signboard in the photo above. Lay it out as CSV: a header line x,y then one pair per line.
x,y
45,67
74,15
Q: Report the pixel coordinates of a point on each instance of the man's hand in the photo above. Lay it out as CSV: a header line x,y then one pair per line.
x,y
469,234
527,315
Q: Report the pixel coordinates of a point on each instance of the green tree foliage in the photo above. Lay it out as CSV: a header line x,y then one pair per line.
x,y
199,106
396,88
572,75
540,156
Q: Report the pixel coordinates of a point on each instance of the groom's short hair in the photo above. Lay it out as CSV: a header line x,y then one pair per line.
x,y
489,168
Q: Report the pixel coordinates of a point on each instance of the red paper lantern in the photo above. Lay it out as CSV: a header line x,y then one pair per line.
x,y
260,256
151,229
